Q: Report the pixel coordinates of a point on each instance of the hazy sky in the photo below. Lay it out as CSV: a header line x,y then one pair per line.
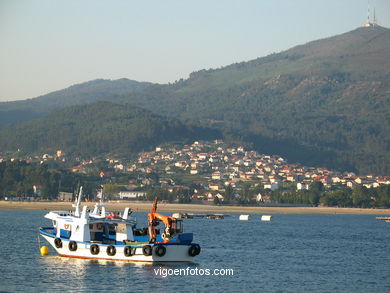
x,y
46,45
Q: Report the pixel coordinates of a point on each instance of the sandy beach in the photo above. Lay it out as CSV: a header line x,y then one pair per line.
x,y
193,208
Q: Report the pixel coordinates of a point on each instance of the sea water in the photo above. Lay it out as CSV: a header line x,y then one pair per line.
x,y
292,253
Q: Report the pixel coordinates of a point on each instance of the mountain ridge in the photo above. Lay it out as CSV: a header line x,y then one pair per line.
x,y
73,95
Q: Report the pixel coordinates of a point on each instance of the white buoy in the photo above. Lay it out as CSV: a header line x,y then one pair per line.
x,y
266,218
245,217
176,215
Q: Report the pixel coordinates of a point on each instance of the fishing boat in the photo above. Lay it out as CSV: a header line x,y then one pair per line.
x,y
98,234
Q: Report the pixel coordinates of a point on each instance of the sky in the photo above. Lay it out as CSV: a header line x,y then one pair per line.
x,y
48,45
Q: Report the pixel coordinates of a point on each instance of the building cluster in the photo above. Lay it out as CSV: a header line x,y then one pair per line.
x,y
215,166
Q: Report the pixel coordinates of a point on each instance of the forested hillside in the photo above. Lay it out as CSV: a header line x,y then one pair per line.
x,y
19,111
99,128
323,103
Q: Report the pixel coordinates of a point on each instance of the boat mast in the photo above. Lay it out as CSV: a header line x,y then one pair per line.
x,y
77,203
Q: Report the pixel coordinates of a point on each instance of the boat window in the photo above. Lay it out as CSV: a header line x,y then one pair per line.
x,y
179,226
111,229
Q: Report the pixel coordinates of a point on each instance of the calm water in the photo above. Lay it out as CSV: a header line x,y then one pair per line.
x,y
294,253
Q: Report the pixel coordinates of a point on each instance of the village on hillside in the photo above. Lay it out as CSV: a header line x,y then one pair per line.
x,y
212,167
206,171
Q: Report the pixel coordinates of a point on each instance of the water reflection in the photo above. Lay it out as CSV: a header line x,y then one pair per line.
x,y
86,275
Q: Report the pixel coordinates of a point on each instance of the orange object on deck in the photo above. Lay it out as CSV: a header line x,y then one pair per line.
x,y
171,224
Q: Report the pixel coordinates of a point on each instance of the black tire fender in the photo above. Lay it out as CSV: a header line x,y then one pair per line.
x,y
129,251
111,250
94,249
72,246
147,250
160,250
194,250
58,243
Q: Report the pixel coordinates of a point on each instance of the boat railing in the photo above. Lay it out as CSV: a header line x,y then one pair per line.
x,y
108,215
64,213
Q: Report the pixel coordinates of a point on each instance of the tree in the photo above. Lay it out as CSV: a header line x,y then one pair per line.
x,y
360,196
229,193
245,192
383,196
109,189
317,187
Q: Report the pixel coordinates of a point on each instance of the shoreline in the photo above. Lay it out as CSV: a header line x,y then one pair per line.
x,y
138,206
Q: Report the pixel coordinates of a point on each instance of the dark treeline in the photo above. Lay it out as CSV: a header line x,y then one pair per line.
x,y
337,196
180,195
341,196
24,180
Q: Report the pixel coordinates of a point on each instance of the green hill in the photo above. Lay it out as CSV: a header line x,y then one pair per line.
x,y
18,111
323,103
98,128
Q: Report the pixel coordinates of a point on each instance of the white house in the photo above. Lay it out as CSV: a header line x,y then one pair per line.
x,y
131,194
216,175
301,186
272,186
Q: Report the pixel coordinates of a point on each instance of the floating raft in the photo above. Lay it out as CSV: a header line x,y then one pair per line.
x,y
192,216
382,218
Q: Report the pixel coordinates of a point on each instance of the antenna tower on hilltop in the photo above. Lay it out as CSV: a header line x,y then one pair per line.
x,y
369,22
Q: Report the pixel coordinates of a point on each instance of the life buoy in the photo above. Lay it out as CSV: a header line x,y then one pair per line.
x,y
129,251
111,250
194,250
160,250
147,250
72,246
99,226
94,249
58,242
66,226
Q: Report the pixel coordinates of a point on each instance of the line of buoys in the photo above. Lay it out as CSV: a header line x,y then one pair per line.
x,y
245,217
264,218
